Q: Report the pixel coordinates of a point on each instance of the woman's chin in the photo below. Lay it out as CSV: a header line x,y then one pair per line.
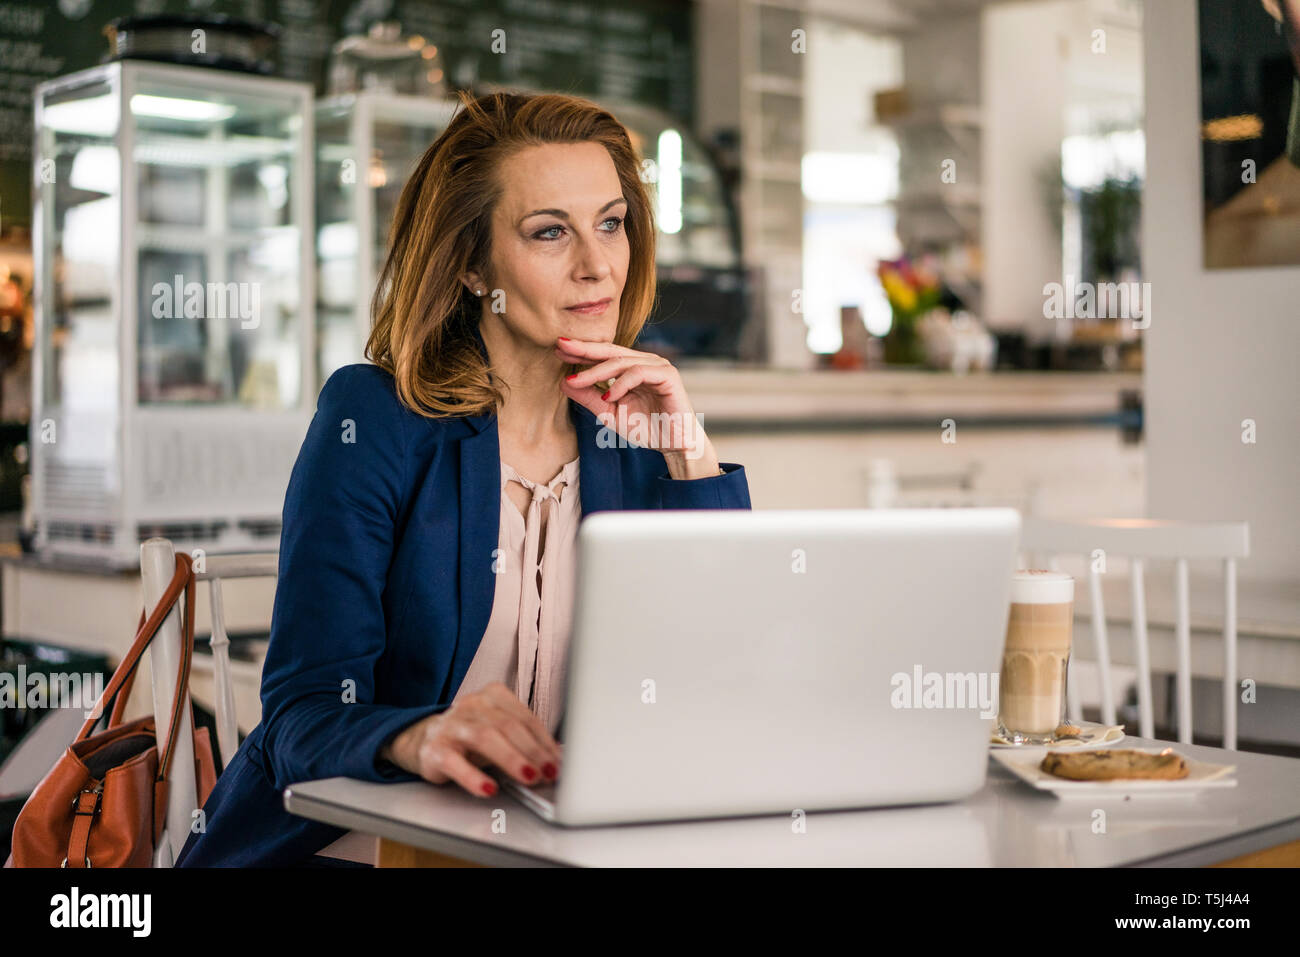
x,y
590,329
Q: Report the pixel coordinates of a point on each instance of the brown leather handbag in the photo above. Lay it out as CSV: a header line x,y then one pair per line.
x,y
104,803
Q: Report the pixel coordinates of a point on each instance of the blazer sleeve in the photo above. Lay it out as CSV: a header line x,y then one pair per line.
x,y
319,714
729,490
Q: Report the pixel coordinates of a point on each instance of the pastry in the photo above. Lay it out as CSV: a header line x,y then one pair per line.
x,y
1114,765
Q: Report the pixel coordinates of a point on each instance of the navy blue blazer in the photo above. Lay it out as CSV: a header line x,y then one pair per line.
x,y
385,590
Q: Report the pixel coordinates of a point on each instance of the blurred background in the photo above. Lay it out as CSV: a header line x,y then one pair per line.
x,y
1042,254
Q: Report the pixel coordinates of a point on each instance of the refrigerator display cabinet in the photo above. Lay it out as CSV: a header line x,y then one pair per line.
x,y
173,374
367,146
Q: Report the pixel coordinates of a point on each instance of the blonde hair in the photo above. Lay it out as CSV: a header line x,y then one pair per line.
x,y
423,316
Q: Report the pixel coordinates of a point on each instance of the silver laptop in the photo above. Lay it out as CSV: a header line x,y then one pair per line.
x,y
734,662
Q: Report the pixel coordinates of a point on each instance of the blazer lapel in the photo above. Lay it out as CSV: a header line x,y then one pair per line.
x,y
480,528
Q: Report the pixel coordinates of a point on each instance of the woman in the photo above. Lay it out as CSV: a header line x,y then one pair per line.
x,y
421,617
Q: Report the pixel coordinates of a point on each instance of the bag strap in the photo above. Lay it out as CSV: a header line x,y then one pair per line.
x,y
124,693
182,579
120,684
181,697
84,811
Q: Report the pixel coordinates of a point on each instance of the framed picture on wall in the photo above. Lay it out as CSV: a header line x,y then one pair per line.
x,y
1250,132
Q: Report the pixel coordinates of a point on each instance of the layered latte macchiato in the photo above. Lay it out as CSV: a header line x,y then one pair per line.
x,y
1037,653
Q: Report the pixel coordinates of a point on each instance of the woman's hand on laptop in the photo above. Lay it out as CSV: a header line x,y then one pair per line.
x,y
491,726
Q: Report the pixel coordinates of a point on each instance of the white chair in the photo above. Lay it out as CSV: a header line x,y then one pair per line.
x,y
157,565
1142,540
215,569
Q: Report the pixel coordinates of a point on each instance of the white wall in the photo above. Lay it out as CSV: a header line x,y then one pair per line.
x,y
1024,79
1223,344
717,66
941,60
840,83
848,223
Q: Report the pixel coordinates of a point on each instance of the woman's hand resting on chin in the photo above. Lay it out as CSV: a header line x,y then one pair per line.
x,y
647,389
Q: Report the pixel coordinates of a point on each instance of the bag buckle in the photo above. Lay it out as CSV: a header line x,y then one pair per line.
x,y
97,791
65,863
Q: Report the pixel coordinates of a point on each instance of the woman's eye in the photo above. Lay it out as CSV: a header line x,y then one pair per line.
x,y
547,233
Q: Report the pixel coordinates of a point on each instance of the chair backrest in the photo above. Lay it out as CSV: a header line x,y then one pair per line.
x,y
214,569
885,486
1140,541
157,565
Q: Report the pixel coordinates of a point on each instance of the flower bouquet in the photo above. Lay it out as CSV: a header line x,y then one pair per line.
x,y
913,289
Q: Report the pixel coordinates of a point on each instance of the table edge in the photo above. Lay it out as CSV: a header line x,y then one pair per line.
x,y
1226,849
1202,855
375,823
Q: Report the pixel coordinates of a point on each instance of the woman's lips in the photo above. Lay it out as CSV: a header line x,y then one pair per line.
x,y
592,309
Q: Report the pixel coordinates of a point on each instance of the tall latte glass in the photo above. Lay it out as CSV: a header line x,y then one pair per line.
x,y
1031,687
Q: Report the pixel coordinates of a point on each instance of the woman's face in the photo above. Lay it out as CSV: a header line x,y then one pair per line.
x,y
557,242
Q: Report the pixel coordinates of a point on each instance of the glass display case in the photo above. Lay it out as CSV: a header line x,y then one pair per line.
x,y
173,377
367,146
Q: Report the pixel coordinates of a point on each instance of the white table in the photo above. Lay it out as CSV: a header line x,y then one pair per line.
x,y
1006,824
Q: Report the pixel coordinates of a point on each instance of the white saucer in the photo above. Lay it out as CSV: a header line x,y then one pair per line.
x,y
1090,739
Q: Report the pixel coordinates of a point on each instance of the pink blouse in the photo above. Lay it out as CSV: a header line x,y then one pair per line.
x,y
526,642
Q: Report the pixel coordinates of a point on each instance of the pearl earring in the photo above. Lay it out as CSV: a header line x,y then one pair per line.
x,y
478,292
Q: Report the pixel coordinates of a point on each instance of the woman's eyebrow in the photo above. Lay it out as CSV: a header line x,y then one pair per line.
x,y
563,215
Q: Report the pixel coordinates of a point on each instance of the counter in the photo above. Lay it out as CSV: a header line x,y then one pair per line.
x,y
733,399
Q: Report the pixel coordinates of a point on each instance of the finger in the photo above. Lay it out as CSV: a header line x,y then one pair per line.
x,y
523,738
502,696
589,399
578,359
488,741
459,769
658,376
603,371
588,350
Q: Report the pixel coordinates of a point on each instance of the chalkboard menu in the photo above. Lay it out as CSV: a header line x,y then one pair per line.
x,y
638,50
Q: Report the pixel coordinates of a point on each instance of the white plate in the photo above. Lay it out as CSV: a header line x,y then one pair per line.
x,y
1200,776
1091,739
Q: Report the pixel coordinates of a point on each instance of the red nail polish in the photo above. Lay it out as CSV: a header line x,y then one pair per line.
x,y
529,772
489,788
564,338
574,376
549,770
605,396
